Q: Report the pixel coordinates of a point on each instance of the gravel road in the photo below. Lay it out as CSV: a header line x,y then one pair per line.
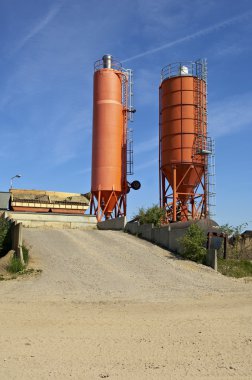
x,y
108,304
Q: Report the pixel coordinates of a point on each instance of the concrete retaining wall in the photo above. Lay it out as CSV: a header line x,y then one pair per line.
x,y
16,236
161,236
145,231
112,224
132,228
168,237
50,220
17,240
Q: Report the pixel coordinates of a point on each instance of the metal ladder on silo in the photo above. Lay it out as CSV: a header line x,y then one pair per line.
x,y
130,151
128,106
210,177
200,143
204,145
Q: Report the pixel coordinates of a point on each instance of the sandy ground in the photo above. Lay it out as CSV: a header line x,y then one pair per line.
x,y
109,305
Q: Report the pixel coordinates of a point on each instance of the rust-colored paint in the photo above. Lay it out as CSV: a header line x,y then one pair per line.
x,y
180,117
108,149
30,209
47,210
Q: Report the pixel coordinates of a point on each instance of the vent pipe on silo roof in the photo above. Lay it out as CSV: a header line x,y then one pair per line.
x,y
107,61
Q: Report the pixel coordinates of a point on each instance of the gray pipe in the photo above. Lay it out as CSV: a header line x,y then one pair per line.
x,y
107,61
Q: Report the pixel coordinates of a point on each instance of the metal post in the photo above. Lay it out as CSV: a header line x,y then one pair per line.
x,y
225,247
99,206
193,207
174,194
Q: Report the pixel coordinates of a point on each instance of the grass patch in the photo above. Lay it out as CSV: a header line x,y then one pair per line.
x,y
235,268
30,271
25,254
15,265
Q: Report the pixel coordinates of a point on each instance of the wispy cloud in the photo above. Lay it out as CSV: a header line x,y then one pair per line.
x,y
84,171
198,34
234,49
146,146
146,85
146,164
71,138
230,115
41,25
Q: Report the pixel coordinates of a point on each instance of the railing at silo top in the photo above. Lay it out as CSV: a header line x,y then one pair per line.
x,y
196,69
127,84
115,65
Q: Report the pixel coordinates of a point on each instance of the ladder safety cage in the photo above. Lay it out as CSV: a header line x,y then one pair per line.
x,y
130,95
130,151
129,106
210,179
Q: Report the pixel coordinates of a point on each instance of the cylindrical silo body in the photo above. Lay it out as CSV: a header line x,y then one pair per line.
x,y
109,137
183,131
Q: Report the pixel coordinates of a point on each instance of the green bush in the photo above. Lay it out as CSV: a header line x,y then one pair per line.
x,y
15,265
5,237
194,244
153,214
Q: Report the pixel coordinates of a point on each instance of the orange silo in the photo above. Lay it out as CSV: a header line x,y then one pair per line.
x,y
184,146
111,152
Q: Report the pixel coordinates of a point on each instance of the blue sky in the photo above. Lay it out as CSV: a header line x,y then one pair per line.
x,y
48,49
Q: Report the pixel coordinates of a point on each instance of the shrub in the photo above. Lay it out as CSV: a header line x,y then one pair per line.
x,y
153,214
15,265
5,236
235,239
194,244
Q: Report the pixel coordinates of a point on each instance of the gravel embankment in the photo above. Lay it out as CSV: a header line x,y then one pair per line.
x,y
110,305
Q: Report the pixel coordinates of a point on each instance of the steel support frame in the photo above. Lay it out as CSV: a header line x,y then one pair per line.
x,y
99,210
196,205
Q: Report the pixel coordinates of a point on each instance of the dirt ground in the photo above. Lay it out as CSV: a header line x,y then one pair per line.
x,y
109,305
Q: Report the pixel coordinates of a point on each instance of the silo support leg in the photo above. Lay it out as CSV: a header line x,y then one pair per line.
x,y
99,206
174,194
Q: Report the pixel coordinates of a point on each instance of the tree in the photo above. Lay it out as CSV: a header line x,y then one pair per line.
x,y
153,214
233,230
234,236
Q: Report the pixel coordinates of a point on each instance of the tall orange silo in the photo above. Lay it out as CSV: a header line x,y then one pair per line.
x,y
184,146
111,152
